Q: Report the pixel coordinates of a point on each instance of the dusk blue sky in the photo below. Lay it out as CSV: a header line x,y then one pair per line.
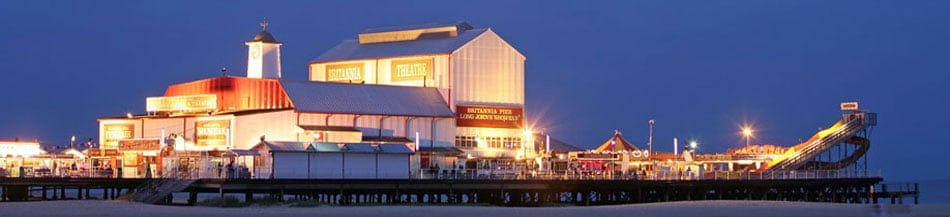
x,y
700,68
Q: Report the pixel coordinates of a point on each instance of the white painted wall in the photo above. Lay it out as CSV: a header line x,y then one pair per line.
x,y
393,166
336,165
359,165
263,60
290,165
392,127
487,70
326,165
275,126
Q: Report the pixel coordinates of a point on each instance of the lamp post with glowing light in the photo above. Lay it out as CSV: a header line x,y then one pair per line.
x,y
747,132
650,139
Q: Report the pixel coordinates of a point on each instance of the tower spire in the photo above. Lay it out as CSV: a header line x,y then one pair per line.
x,y
263,54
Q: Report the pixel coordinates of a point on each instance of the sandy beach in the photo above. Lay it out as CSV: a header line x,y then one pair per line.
x,y
692,208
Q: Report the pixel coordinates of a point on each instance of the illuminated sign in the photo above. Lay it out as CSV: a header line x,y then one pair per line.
x,y
760,149
139,145
410,70
113,133
203,102
95,152
345,72
489,116
849,106
21,149
212,133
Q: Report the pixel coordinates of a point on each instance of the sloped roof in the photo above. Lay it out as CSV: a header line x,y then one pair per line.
x,y
342,98
352,49
359,148
617,143
460,24
556,145
386,148
283,146
326,147
395,149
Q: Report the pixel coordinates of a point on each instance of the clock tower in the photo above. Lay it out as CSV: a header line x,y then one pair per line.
x,y
263,55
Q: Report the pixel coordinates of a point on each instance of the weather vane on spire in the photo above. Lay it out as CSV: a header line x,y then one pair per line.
x,y
264,24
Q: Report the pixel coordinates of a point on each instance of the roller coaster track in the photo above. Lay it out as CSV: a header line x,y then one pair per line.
x,y
799,156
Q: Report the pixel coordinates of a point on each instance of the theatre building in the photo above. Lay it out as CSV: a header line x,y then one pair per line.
x,y
442,92
477,73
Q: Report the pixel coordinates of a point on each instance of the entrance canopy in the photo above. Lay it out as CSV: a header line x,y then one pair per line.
x,y
617,143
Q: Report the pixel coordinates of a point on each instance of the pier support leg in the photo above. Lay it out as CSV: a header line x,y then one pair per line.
x,y
248,197
192,197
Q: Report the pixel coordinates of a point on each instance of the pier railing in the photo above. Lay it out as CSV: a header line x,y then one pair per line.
x,y
799,174
750,175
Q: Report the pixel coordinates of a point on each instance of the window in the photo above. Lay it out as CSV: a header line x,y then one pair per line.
x,y
490,142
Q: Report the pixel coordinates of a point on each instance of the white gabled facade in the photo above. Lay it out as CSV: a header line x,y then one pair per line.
x,y
487,70
483,71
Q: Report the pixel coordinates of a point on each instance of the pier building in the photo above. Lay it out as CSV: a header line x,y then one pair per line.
x,y
450,93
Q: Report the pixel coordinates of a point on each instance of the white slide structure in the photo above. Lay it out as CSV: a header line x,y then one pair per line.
x,y
798,156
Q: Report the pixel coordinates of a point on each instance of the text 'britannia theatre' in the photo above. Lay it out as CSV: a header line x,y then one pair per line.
x,y
478,74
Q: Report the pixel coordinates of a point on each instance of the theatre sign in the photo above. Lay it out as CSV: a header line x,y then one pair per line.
x,y
201,102
489,116
412,70
345,72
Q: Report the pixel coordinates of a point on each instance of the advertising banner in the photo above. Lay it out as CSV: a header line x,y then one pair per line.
x,y
212,133
115,132
139,145
489,116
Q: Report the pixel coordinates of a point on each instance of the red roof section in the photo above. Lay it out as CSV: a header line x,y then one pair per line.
x,y
237,93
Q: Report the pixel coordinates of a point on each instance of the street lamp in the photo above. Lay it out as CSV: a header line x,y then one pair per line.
x,y
650,139
747,132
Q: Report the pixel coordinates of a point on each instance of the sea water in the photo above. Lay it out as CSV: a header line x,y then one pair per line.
x,y
932,192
